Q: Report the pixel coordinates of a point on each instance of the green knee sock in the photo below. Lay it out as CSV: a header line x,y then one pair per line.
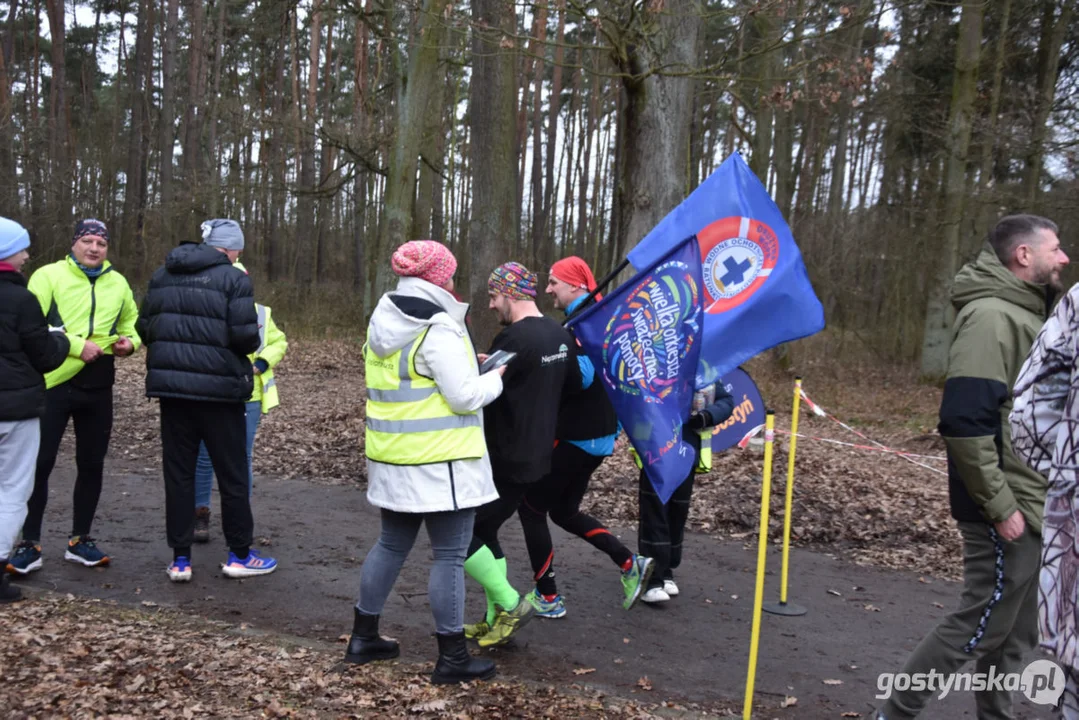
x,y
490,617
490,572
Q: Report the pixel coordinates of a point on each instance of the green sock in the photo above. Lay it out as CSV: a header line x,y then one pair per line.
x,y
490,603
490,572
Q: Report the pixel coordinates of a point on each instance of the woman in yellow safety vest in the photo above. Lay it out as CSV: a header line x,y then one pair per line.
x,y
272,348
93,303
427,461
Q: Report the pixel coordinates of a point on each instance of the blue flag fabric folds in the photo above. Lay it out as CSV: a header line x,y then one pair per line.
x,y
757,292
644,341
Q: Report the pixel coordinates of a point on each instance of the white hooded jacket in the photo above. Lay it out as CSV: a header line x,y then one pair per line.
x,y
444,357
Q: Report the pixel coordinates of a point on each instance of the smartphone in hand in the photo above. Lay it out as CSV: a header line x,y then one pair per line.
x,y
496,360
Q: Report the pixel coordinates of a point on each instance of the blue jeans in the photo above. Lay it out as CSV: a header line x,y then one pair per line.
x,y
204,471
450,533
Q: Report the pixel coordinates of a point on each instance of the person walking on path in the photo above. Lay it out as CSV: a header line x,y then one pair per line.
x,y
520,429
1001,301
585,435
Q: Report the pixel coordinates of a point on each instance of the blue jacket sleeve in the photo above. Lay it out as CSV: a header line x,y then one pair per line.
x,y
588,372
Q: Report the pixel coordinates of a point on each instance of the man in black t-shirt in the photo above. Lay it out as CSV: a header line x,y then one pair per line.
x,y
520,428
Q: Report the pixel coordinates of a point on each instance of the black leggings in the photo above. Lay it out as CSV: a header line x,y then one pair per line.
x,y
559,495
491,517
663,527
92,412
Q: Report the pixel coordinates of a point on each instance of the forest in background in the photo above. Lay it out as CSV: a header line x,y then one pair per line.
x,y
891,134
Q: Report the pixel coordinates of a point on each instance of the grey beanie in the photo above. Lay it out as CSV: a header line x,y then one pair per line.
x,y
224,234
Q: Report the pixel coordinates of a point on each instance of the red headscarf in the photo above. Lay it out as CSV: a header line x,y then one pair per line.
x,y
575,271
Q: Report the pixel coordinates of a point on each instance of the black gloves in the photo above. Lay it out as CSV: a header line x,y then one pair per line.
x,y
700,421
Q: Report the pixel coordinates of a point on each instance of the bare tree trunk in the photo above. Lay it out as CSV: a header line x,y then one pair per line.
x,y
192,133
9,189
537,135
326,161
359,139
215,193
276,157
59,120
939,312
1049,45
305,206
430,156
656,120
167,129
552,135
419,82
590,125
140,96
493,154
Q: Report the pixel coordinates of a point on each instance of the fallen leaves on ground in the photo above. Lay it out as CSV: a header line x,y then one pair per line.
x,y
870,507
72,658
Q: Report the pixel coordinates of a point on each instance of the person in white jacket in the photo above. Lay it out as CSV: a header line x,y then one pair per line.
x,y
427,460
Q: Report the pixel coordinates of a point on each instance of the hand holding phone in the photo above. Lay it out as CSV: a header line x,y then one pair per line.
x,y
497,359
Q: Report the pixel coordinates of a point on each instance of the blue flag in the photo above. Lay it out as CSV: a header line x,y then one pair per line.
x,y
748,410
757,292
644,341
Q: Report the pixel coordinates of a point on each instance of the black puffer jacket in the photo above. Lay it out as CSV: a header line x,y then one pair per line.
x,y
199,323
27,350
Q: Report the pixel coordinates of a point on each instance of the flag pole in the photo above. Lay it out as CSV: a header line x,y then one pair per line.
x,y
600,286
607,280
783,607
762,550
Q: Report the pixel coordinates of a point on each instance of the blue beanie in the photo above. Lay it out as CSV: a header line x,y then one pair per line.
x,y
13,238
224,234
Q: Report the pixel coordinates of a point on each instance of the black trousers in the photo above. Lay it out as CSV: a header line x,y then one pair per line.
x,y
222,426
91,411
663,527
559,495
492,516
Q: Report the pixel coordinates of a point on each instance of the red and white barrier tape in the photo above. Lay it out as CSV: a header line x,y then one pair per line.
x,y
909,457
875,447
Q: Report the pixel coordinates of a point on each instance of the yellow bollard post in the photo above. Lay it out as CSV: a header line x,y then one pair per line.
x,y
783,607
762,552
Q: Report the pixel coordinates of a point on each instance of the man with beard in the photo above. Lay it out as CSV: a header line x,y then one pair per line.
x,y
1001,301
520,430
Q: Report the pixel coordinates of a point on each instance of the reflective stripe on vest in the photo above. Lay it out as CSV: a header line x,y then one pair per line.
x,y
260,310
704,457
409,422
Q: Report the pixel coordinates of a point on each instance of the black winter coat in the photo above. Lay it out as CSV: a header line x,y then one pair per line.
x,y
199,324
27,350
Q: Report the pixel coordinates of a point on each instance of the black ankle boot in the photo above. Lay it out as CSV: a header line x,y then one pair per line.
x,y
8,592
366,645
455,665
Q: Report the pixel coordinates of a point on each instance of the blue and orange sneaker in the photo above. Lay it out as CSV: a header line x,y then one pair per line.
x,y
253,564
83,550
26,559
180,570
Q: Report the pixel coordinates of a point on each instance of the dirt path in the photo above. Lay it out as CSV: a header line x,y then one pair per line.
x,y
861,621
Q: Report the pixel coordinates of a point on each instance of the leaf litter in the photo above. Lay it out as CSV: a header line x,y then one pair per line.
x,y
78,658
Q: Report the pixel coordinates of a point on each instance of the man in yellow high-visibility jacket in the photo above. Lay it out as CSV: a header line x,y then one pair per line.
x,y
87,297
272,348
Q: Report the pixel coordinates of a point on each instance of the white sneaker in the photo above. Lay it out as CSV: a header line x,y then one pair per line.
x,y
670,587
655,595
180,570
